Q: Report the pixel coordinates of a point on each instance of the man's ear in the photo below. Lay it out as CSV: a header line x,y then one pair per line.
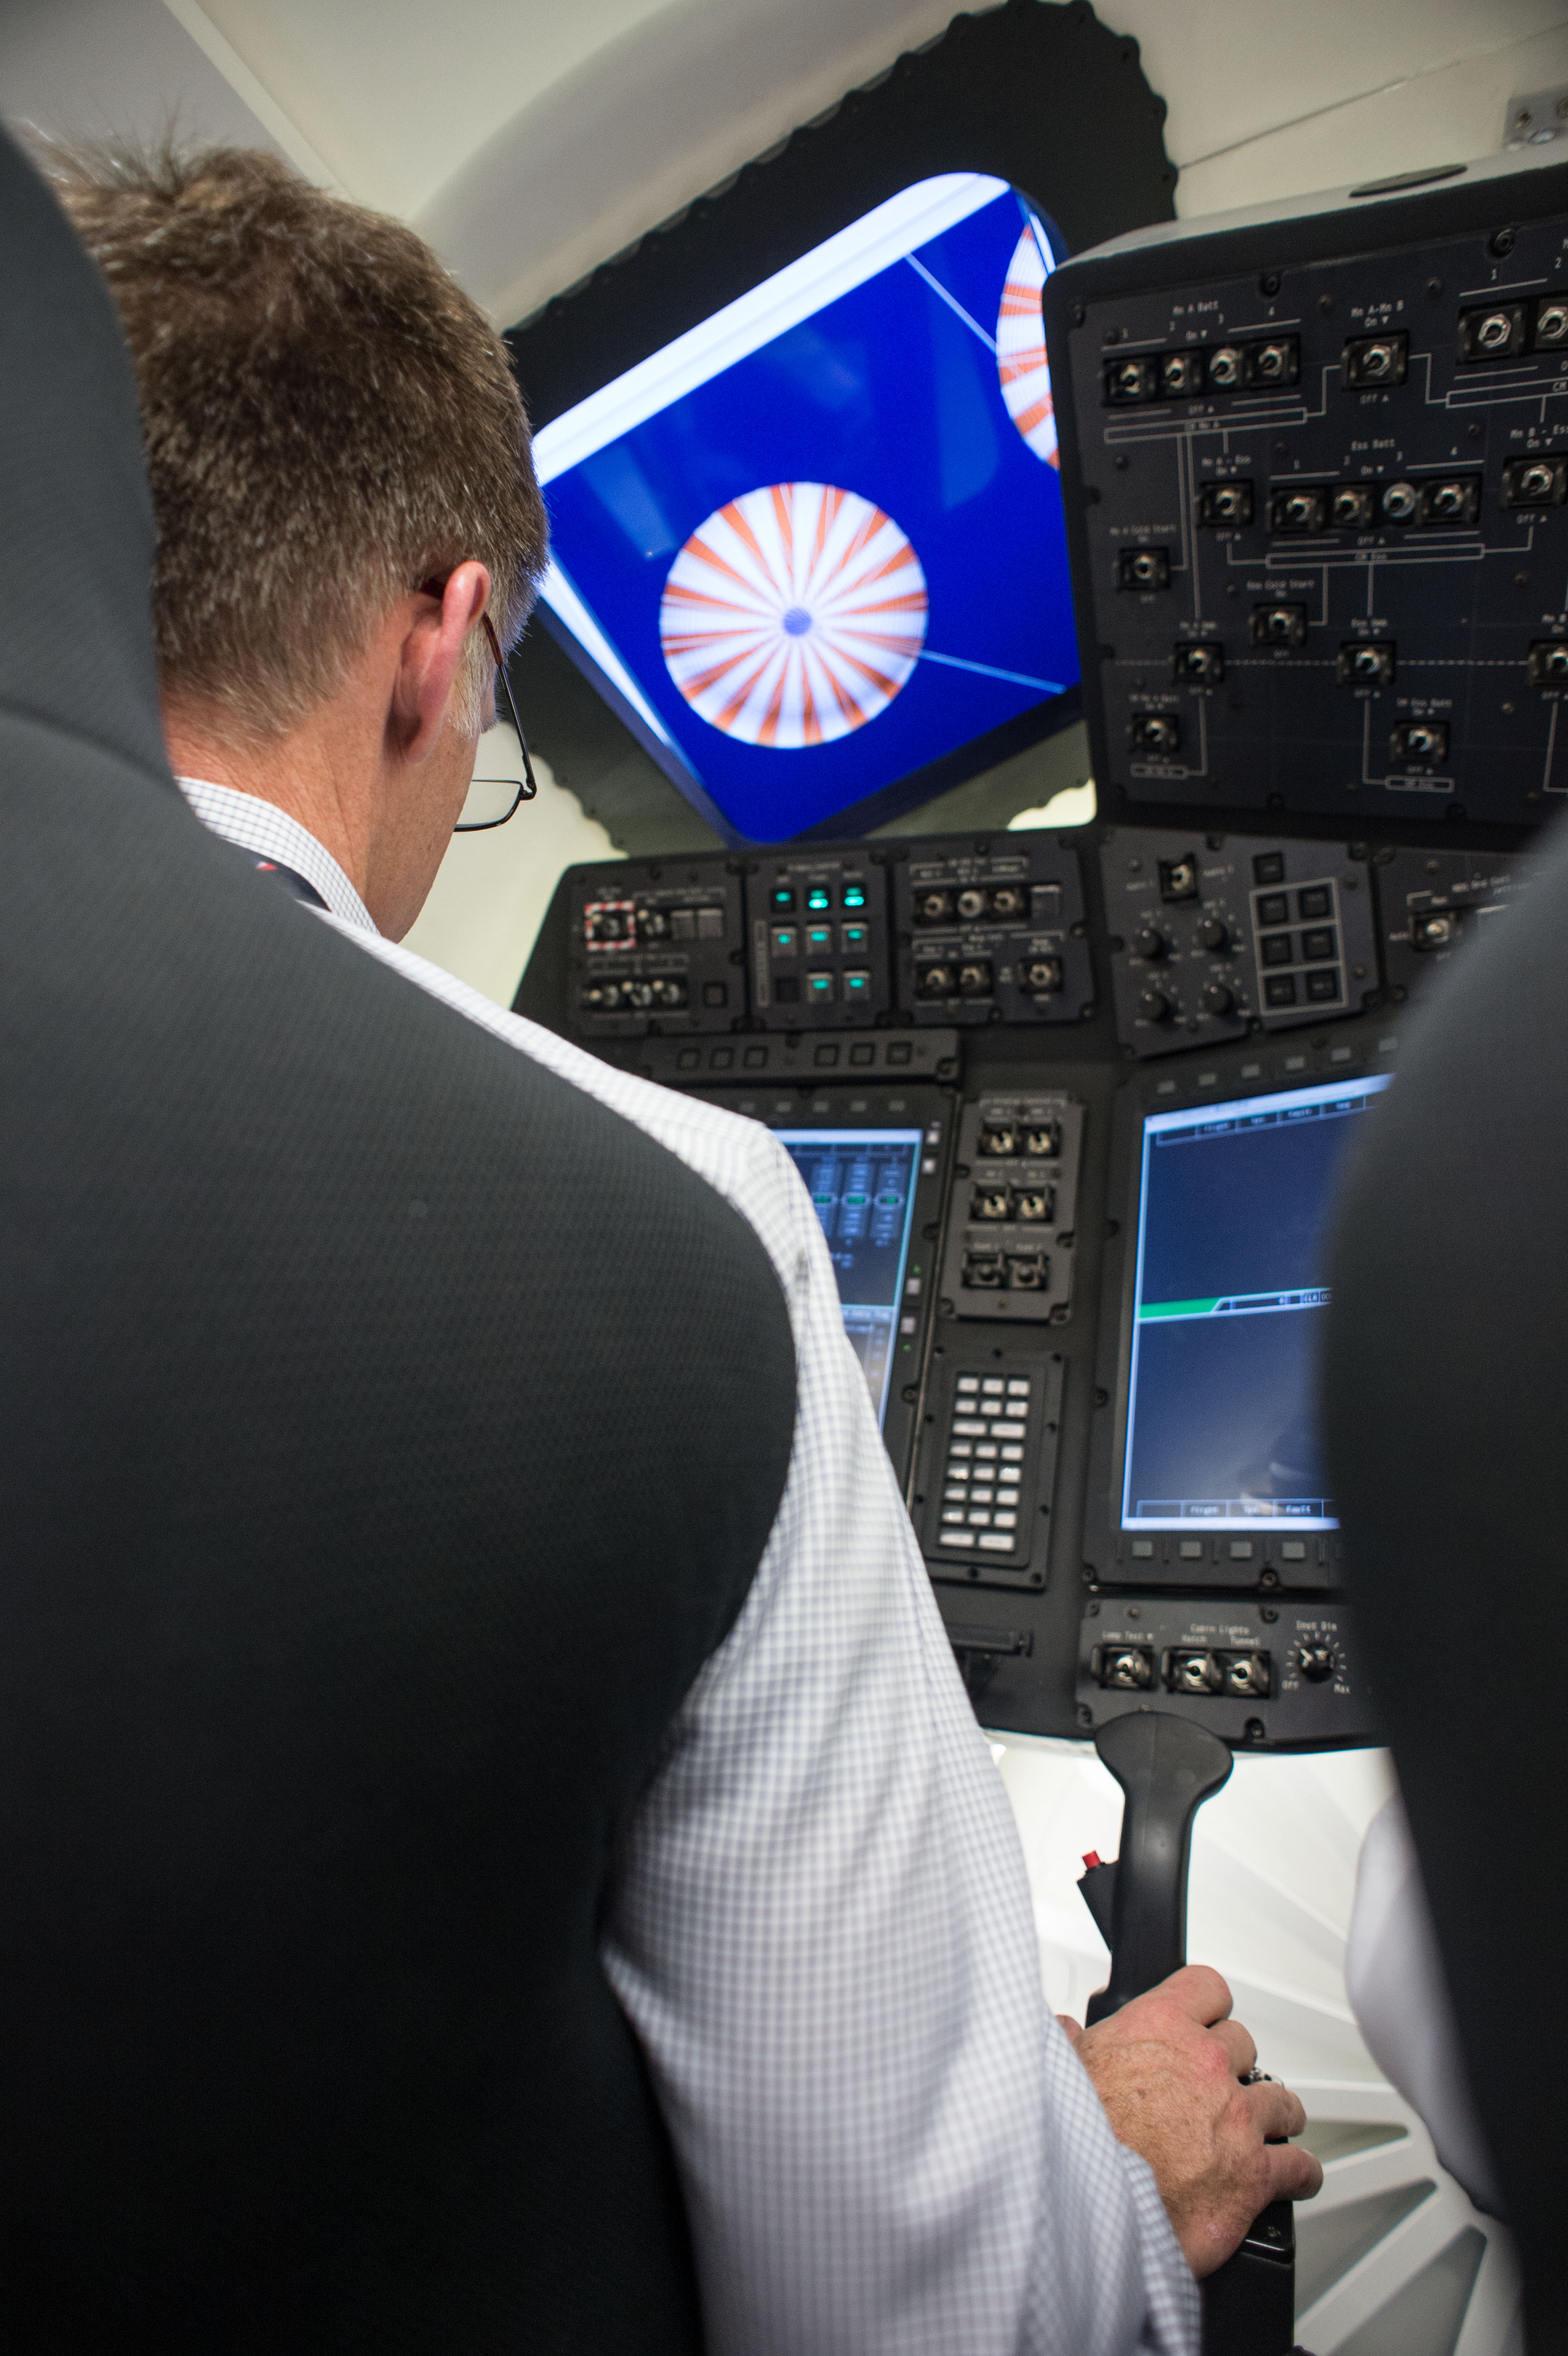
x,y
430,657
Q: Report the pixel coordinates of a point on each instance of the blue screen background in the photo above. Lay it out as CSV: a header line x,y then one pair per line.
x,y
1221,1416
888,393
861,1183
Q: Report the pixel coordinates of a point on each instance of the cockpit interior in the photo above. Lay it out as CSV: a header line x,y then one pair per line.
x,y
1048,662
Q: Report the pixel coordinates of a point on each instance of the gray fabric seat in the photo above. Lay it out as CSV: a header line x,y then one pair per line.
x,y
1444,1420
390,1432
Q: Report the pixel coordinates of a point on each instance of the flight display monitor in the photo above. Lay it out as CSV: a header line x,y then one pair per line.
x,y
862,1182
815,545
1227,1314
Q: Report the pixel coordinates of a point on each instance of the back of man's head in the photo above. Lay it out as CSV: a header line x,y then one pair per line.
x,y
329,422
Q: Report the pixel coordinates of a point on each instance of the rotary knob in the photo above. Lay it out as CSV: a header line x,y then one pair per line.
x,y
1212,935
1317,1663
1218,999
1155,1006
1149,945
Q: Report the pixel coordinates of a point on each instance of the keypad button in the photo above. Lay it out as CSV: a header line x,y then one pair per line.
x,y
993,1383
981,1496
952,1514
1005,1521
1019,1387
984,1447
968,1382
1007,1496
978,1521
1003,1431
996,1543
1012,1456
958,1538
963,1429
954,1497
961,1448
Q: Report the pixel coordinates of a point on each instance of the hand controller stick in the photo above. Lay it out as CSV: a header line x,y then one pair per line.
x,y
1167,1768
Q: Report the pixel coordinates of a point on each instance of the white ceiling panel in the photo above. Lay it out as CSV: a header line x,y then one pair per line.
x,y
88,69
531,139
1229,69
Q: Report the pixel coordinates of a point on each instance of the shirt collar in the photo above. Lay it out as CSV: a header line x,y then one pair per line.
x,y
255,825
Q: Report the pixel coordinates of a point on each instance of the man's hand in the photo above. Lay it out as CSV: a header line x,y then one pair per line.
x,y
1167,2069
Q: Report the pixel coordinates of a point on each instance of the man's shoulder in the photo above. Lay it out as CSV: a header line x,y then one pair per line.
x,y
736,1155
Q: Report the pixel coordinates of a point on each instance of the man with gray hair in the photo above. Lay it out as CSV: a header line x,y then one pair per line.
x,y
813,1914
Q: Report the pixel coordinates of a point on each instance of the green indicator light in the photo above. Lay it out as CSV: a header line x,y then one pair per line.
x,y
817,898
854,896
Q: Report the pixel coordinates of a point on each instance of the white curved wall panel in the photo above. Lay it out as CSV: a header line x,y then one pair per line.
x,y
1393,2259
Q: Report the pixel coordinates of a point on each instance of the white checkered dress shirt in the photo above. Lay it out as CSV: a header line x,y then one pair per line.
x,y
824,1935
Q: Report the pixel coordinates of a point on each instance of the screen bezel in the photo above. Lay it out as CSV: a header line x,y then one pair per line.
x,y
1251,1069
1190,1118
910,1134
1049,100
859,256
843,1104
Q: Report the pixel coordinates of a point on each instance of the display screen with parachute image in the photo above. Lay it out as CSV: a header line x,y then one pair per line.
x,y
815,545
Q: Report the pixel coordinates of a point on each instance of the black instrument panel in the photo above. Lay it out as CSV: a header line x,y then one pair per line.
x,y
1319,509
1023,1239
1315,473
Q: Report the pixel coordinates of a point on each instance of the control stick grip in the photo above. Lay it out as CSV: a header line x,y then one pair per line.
x,y
1167,1768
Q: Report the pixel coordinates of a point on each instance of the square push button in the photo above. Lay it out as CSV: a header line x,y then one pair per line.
x,y
824,1058
1191,1550
1313,903
689,1059
781,899
711,924
1318,946
1293,1550
819,988
862,1055
1323,987
856,983
1268,867
1275,948
1240,1549
716,993
900,1052
754,1058
818,899
1279,989
1142,1549
1274,908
